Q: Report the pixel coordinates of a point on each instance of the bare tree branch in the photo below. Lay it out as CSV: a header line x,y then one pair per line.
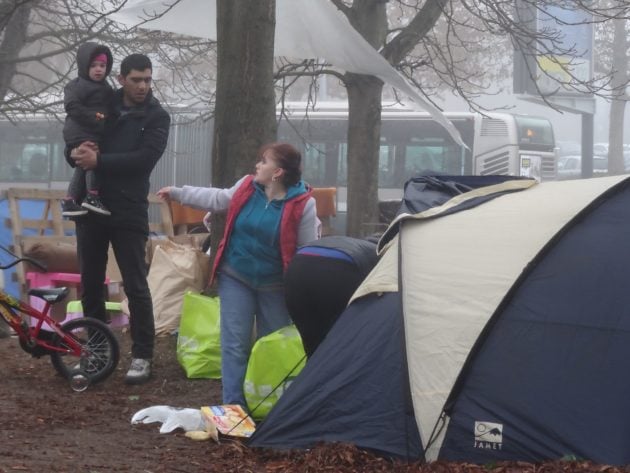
x,y
407,38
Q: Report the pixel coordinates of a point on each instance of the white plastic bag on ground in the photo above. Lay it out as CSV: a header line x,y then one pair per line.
x,y
171,418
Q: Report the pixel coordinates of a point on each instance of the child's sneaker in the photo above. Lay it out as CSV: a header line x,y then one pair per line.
x,y
69,208
93,203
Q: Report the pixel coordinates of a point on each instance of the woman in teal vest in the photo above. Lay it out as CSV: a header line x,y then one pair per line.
x,y
269,214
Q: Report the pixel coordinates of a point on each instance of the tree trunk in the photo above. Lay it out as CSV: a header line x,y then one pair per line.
x,y
364,132
245,102
13,27
369,18
619,83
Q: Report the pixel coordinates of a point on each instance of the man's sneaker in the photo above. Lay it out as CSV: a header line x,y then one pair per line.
x,y
139,371
69,208
93,203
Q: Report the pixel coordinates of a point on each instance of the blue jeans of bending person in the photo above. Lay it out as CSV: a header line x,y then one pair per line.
x,y
241,306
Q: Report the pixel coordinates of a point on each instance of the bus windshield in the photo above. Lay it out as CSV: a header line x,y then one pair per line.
x,y
533,132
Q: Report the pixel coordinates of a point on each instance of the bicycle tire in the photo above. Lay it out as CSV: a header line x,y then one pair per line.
x,y
100,357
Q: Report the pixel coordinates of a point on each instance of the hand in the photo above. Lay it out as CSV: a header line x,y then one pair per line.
x,y
207,219
85,156
100,116
165,193
91,145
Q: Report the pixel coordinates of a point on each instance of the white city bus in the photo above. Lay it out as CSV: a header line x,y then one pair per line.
x,y
412,143
31,153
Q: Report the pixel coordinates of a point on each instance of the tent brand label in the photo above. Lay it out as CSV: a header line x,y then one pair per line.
x,y
488,435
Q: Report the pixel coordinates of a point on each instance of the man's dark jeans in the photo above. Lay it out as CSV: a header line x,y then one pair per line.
x,y
94,235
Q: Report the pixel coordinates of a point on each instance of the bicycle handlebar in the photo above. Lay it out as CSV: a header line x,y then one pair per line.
x,y
26,259
19,259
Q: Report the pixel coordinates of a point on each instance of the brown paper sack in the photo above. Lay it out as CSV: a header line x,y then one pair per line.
x,y
175,269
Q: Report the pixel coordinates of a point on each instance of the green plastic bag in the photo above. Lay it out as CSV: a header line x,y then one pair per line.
x,y
198,341
274,357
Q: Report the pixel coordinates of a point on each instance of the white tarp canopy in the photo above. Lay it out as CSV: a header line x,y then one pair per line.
x,y
305,29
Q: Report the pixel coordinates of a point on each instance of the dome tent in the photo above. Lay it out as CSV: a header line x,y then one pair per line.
x,y
501,332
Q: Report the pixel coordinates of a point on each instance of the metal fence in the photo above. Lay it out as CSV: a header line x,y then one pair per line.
x,y
31,154
188,156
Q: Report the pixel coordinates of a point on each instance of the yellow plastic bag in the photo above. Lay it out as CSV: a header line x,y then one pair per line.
x,y
199,340
275,361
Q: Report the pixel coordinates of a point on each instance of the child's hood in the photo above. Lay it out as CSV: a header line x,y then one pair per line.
x,y
87,52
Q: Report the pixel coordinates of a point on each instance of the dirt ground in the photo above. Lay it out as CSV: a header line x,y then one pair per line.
x,y
46,427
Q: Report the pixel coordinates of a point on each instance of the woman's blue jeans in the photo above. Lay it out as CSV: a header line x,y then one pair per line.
x,y
241,305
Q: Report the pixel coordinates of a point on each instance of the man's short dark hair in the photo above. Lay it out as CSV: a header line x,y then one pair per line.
x,y
137,62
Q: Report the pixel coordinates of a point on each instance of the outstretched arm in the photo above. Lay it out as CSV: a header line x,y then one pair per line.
x,y
213,199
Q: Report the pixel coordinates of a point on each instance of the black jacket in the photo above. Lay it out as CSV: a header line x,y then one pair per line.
x,y
83,98
134,141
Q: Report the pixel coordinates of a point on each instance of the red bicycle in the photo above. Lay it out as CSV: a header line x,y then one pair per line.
x,y
83,350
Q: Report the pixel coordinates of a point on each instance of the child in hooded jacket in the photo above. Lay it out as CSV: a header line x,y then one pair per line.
x,y
86,101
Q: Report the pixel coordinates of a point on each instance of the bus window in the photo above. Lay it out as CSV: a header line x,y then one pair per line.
x,y
342,165
323,147
38,169
314,164
32,151
12,164
422,159
386,165
533,132
60,170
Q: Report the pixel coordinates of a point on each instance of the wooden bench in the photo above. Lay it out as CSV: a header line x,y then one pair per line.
x,y
52,227
326,201
187,219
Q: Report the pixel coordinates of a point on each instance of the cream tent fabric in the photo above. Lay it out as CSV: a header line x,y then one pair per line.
x,y
480,255
384,277
304,29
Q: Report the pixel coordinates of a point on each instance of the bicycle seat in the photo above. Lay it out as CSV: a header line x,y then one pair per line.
x,y
52,294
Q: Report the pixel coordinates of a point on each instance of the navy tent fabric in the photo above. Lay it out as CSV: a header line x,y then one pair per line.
x,y
425,192
365,399
552,376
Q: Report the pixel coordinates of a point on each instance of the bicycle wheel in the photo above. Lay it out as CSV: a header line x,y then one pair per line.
x,y
100,353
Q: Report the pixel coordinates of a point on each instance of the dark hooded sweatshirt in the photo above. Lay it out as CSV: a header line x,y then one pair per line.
x,y
84,98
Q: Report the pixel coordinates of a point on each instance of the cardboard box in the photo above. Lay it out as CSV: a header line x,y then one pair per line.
x,y
229,419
